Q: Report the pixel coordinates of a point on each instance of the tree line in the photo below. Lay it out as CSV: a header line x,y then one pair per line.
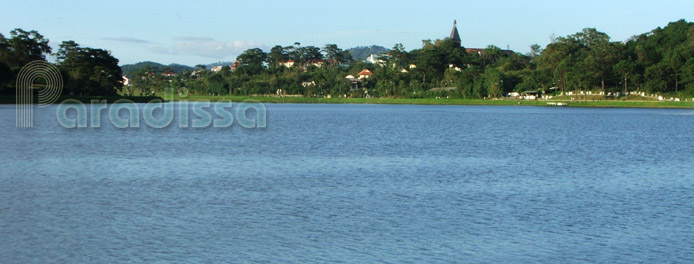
x,y
85,71
659,61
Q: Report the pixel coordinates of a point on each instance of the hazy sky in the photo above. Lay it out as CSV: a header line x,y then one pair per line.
x,y
200,32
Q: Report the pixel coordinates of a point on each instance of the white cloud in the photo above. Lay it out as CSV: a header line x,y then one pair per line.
x,y
209,47
128,39
192,38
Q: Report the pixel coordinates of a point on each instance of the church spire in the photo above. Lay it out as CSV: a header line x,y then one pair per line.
x,y
454,34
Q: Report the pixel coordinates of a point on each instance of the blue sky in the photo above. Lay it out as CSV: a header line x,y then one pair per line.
x,y
201,32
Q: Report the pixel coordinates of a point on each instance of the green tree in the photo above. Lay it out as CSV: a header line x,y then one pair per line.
x,y
276,55
430,61
493,82
251,61
626,68
535,51
88,70
308,55
21,48
601,55
675,60
335,55
399,55
332,53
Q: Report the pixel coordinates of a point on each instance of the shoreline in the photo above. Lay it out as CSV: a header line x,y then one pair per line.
x,y
10,100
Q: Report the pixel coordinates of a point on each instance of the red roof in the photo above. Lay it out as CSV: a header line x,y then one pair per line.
x,y
365,72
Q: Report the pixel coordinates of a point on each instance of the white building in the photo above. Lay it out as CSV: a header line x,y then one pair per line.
x,y
375,59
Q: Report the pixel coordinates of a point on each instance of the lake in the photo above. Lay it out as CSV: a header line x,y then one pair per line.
x,y
355,183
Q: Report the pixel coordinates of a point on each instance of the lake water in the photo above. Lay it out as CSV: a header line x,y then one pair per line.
x,y
355,183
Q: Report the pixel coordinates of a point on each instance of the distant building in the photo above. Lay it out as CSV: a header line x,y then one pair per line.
x,y
291,63
354,81
126,81
365,73
375,59
169,74
316,62
455,37
288,63
216,68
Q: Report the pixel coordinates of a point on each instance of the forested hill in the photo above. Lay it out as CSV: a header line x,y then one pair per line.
x,y
358,53
363,52
130,69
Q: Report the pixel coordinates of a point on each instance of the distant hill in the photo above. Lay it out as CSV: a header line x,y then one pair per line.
x,y
358,53
362,52
221,63
129,69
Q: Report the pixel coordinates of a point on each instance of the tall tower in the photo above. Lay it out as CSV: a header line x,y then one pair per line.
x,y
455,37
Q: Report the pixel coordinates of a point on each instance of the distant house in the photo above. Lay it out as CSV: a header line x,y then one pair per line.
x,y
216,68
126,81
354,81
455,68
291,63
530,95
168,74
234,66
288,63
413,66
317,62
365,73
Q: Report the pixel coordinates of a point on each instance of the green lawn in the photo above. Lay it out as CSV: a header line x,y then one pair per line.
x,y
444,101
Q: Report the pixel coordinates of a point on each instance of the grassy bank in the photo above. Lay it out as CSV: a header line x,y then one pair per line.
x,y
423,101
444,101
